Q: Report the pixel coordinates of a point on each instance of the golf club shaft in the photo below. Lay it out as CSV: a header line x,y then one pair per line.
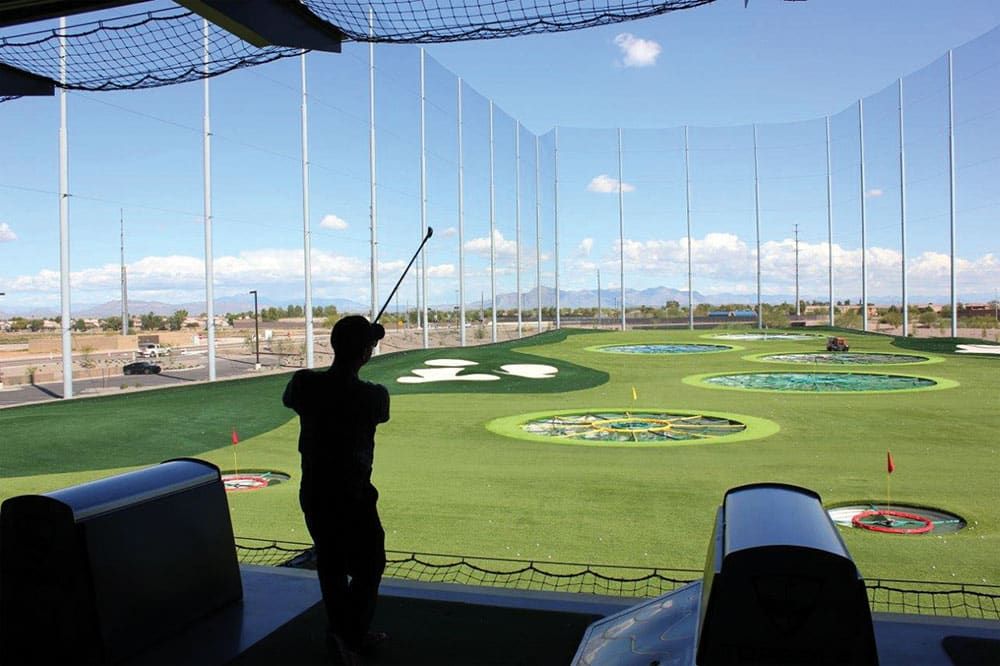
x,y
406,270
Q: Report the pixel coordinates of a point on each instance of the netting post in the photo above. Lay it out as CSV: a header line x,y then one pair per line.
x,y
423,196
517,221
538,237
306,239
756,217
621,228
207,172
493,231
829,219
373,209
951,190
902,213
66,325
555,221
864,220
687,205
461,223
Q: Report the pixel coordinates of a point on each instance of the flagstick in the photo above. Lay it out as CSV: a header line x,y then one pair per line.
x,y
888,501
236,467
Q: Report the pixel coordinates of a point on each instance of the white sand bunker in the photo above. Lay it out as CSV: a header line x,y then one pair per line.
x,y
978,349
449,369
530,370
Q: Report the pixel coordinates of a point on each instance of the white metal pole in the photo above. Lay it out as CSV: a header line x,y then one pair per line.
x,y
555,222
902,213
493,232
121,219
306,233
864,220
373,209
797,311
538,235
829,220
207,168
461,223
423,196
687,205
621,229
66,325
951,191
756,216
517,221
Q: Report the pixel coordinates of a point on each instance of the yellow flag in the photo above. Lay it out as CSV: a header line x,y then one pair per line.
x,y
635,396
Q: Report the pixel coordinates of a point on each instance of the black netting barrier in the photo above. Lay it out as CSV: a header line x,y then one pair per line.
x,y
884,595
165,46
146,50
427,21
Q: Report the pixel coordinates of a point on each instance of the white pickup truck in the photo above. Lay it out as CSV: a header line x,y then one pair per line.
x,y
152,350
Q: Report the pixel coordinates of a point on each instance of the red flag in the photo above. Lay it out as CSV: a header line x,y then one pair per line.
x,y
890,467
236,438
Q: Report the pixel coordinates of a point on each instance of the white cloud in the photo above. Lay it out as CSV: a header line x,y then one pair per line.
x,y
605,184
331,221
637,52
874,193
442,270
503,247
6,233
449,232
586,245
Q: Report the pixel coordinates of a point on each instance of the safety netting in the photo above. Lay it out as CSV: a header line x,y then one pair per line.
x,y
820,382
846,358
632,427
166,45
660,349
886,595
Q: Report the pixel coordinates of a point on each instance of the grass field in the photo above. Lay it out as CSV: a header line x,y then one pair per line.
x,y
449,485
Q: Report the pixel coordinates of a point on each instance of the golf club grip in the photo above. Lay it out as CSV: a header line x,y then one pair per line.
x,y
430,232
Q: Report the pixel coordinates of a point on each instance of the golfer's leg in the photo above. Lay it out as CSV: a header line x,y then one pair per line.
x,y
367,564
331,569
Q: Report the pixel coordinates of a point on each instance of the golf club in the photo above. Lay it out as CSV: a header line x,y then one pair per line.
x,y
430,232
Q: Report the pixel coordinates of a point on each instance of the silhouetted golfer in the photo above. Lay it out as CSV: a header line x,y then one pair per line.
x,y
338,413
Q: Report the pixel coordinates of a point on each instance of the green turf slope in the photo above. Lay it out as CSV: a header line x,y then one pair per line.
x,y
449,485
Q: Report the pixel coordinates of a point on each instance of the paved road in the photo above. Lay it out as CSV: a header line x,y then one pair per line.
x,y
224,367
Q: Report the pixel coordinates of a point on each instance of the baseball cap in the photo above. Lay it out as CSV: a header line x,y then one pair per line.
x,y
354,332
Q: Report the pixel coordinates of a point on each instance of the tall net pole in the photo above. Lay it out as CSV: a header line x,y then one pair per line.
x,y
373,209
517,221
555,222
829,219
423,197
756,217
493,233
902,213
64,287
461,222
864,220
687,206
951,191
121,220
621,229
306,233
207,169
538,234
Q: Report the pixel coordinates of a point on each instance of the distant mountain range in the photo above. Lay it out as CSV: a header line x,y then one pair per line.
x,y
581,298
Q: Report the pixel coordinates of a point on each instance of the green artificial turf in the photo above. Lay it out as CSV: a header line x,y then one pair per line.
x,y
449,485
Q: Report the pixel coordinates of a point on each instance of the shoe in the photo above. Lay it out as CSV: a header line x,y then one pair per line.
x,y
372,640
341,653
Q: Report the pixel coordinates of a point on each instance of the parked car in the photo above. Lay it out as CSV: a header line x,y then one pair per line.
x,y
152,350
141,368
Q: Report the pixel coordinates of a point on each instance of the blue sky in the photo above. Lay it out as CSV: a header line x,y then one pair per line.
x,y
718,69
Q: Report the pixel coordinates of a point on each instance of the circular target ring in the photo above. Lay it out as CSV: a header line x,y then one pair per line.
x,y
632,427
